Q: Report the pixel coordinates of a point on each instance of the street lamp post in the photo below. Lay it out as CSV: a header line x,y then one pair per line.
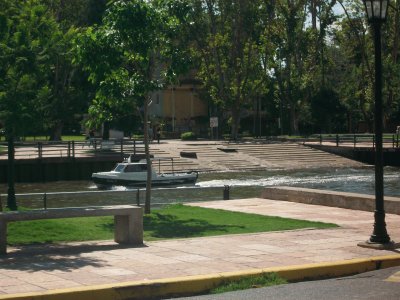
x,y
376,13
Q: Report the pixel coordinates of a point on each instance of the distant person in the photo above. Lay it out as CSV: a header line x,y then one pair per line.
x,y
158,134
89,139
150,133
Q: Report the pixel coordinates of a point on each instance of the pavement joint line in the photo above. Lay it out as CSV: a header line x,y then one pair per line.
x,y
190,285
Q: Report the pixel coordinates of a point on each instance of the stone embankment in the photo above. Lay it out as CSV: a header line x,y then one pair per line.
x,y
215,156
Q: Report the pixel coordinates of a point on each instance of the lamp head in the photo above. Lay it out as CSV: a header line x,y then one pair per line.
x,y
376,10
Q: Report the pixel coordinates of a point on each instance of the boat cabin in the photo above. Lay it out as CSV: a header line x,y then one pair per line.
x,y
129,167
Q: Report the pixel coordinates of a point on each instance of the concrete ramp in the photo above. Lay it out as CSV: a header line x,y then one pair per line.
x,y
330,198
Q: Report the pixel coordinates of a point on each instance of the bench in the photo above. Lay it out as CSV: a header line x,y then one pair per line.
x,y
128,220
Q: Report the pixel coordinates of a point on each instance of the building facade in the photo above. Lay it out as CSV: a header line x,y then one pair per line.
x,y
179,109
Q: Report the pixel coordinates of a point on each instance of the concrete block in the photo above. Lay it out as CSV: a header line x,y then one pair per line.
x,y
129,228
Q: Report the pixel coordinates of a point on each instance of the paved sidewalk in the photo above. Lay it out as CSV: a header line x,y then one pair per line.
x,y
41,269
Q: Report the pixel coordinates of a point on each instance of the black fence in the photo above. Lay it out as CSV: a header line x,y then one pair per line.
x,y
356,140
72,149
136,196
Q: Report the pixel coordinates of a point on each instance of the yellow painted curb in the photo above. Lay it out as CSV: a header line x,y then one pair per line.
x,y
202,283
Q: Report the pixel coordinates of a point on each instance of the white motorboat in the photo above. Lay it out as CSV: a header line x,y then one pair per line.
x,y
134,174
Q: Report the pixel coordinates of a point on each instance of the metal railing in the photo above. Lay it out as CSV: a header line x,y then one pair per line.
x,y
72,149
355,140
160,197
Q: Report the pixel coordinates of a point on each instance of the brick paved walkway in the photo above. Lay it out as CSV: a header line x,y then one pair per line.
x,y
41,268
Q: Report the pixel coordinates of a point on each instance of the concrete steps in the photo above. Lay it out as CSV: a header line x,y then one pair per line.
x,y
242,157
287,152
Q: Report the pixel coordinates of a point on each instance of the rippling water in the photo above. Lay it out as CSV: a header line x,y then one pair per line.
x,y
210,187
348,179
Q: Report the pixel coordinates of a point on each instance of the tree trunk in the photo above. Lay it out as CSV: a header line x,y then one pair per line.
x,y
235,122
294,122
106,130
56,132
314,14
147,206
255,115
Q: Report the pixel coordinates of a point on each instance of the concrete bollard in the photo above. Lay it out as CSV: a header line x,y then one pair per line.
x,y
226,192
137,197
45,201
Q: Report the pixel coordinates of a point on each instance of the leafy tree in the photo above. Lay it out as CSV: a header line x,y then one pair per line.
x,y
227,41
77,13
127,60
68,88
293,46
391,53
327,111
354,54
353,58
26,31
46,30
24,36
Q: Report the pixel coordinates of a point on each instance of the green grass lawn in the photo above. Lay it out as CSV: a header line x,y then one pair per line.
x,y
175,221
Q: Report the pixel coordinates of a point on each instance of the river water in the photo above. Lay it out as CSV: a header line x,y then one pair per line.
x,y
209,186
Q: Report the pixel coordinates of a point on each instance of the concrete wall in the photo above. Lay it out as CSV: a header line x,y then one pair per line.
x,y
45,170
330,198
391,156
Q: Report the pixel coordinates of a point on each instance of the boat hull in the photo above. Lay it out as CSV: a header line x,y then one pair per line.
x,y
104,181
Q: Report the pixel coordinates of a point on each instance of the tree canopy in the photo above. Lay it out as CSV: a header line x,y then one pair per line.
x,y
128,57
61,60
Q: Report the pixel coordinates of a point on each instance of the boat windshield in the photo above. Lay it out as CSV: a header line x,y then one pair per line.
x,y
119,168
135,168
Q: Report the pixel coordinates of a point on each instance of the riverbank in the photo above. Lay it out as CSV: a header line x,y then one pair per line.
x,y
203,156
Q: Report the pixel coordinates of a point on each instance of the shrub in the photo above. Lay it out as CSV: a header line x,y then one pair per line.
x,y
188,136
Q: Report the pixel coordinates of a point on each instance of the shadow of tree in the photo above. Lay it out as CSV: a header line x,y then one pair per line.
x,y
169,226
63,257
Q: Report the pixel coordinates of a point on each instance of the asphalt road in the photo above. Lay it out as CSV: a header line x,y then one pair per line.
x,y
369,285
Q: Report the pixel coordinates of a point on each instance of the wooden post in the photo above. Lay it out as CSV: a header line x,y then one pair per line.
x,y
69,149
3,237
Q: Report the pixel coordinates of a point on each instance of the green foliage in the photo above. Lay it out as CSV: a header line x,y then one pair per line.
x,y
175,221
188,136
39,87
124,56
22,59
327,111
232,54
77,13
282,52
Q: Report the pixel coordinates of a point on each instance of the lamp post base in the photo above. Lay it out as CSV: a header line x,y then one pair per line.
x,y
379,246
379,235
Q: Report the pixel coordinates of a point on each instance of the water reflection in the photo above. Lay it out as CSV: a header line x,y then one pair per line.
x,y
210,187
